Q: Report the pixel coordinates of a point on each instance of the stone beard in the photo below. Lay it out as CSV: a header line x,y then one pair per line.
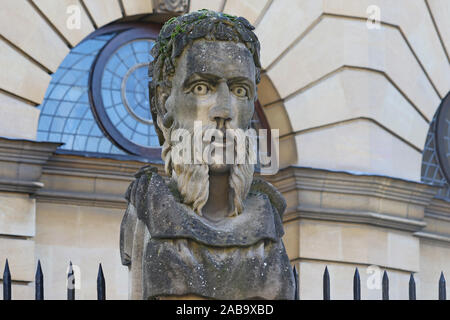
x,y
212,230
193,179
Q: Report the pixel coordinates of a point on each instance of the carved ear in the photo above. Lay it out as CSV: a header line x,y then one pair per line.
x,y
161,95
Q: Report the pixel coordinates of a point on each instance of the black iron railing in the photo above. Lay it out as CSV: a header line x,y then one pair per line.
x,y
39,283
384,286
101,284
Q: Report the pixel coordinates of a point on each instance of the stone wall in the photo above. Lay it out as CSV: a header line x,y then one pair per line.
x,y
344,220
78,217
331,75
70,209
344,97
21,163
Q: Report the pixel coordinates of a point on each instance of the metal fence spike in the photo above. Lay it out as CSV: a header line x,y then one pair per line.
x,y
101,286
326,284
442,291
70,283
6,282
296,293
385,286
39,282
356,286
412,287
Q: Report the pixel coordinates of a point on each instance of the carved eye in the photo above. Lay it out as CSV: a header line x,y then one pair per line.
x,y
200,89
239,91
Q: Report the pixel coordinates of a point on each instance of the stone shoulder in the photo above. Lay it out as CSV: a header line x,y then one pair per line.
x,y
147,171
276,198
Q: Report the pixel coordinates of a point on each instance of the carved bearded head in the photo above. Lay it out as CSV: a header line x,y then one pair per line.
x,y
205,70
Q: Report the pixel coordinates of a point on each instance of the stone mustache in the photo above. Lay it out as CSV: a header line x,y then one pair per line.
x,y
212,230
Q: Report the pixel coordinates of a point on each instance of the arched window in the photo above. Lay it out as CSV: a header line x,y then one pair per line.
x,y
436,154
97,100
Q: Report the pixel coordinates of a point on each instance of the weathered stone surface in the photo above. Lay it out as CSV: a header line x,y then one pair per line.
x,y
184,253
169,219
212,231
236,258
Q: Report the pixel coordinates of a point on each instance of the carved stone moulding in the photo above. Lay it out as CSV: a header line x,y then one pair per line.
x,y
175,7
21,163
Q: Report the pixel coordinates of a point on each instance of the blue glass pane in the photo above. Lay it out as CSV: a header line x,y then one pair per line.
x,y
91,46
71,77
92,144
74,93
65,108
79,143
44,122
141,128
54,137
79,110
42,136
68,140
85,127
59,92
125,91
71,126
95,131
115,150
57,124
49,108
154,140
84,63
71,60
104,146
66,114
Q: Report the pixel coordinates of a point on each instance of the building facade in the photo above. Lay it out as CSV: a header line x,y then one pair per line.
x,y
357,88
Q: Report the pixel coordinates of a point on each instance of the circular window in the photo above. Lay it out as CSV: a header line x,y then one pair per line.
x,y
119,92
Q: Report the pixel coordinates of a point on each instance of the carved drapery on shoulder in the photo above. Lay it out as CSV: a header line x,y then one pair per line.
x,y
172,251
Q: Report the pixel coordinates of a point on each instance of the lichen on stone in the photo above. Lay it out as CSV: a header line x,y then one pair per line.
x,y
179,32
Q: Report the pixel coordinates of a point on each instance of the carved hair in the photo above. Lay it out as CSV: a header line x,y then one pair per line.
x,y
177,33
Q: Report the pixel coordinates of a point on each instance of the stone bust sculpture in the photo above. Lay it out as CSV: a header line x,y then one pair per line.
x,y
212,231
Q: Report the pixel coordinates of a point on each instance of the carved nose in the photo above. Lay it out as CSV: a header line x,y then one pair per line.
x,y
221,111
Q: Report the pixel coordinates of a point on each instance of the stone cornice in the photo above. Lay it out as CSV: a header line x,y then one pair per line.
x,y
92,167
438,209
433,236
74,168
302,178
13,185
26,151
82,198
437,215
380,200
21,162
354,216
